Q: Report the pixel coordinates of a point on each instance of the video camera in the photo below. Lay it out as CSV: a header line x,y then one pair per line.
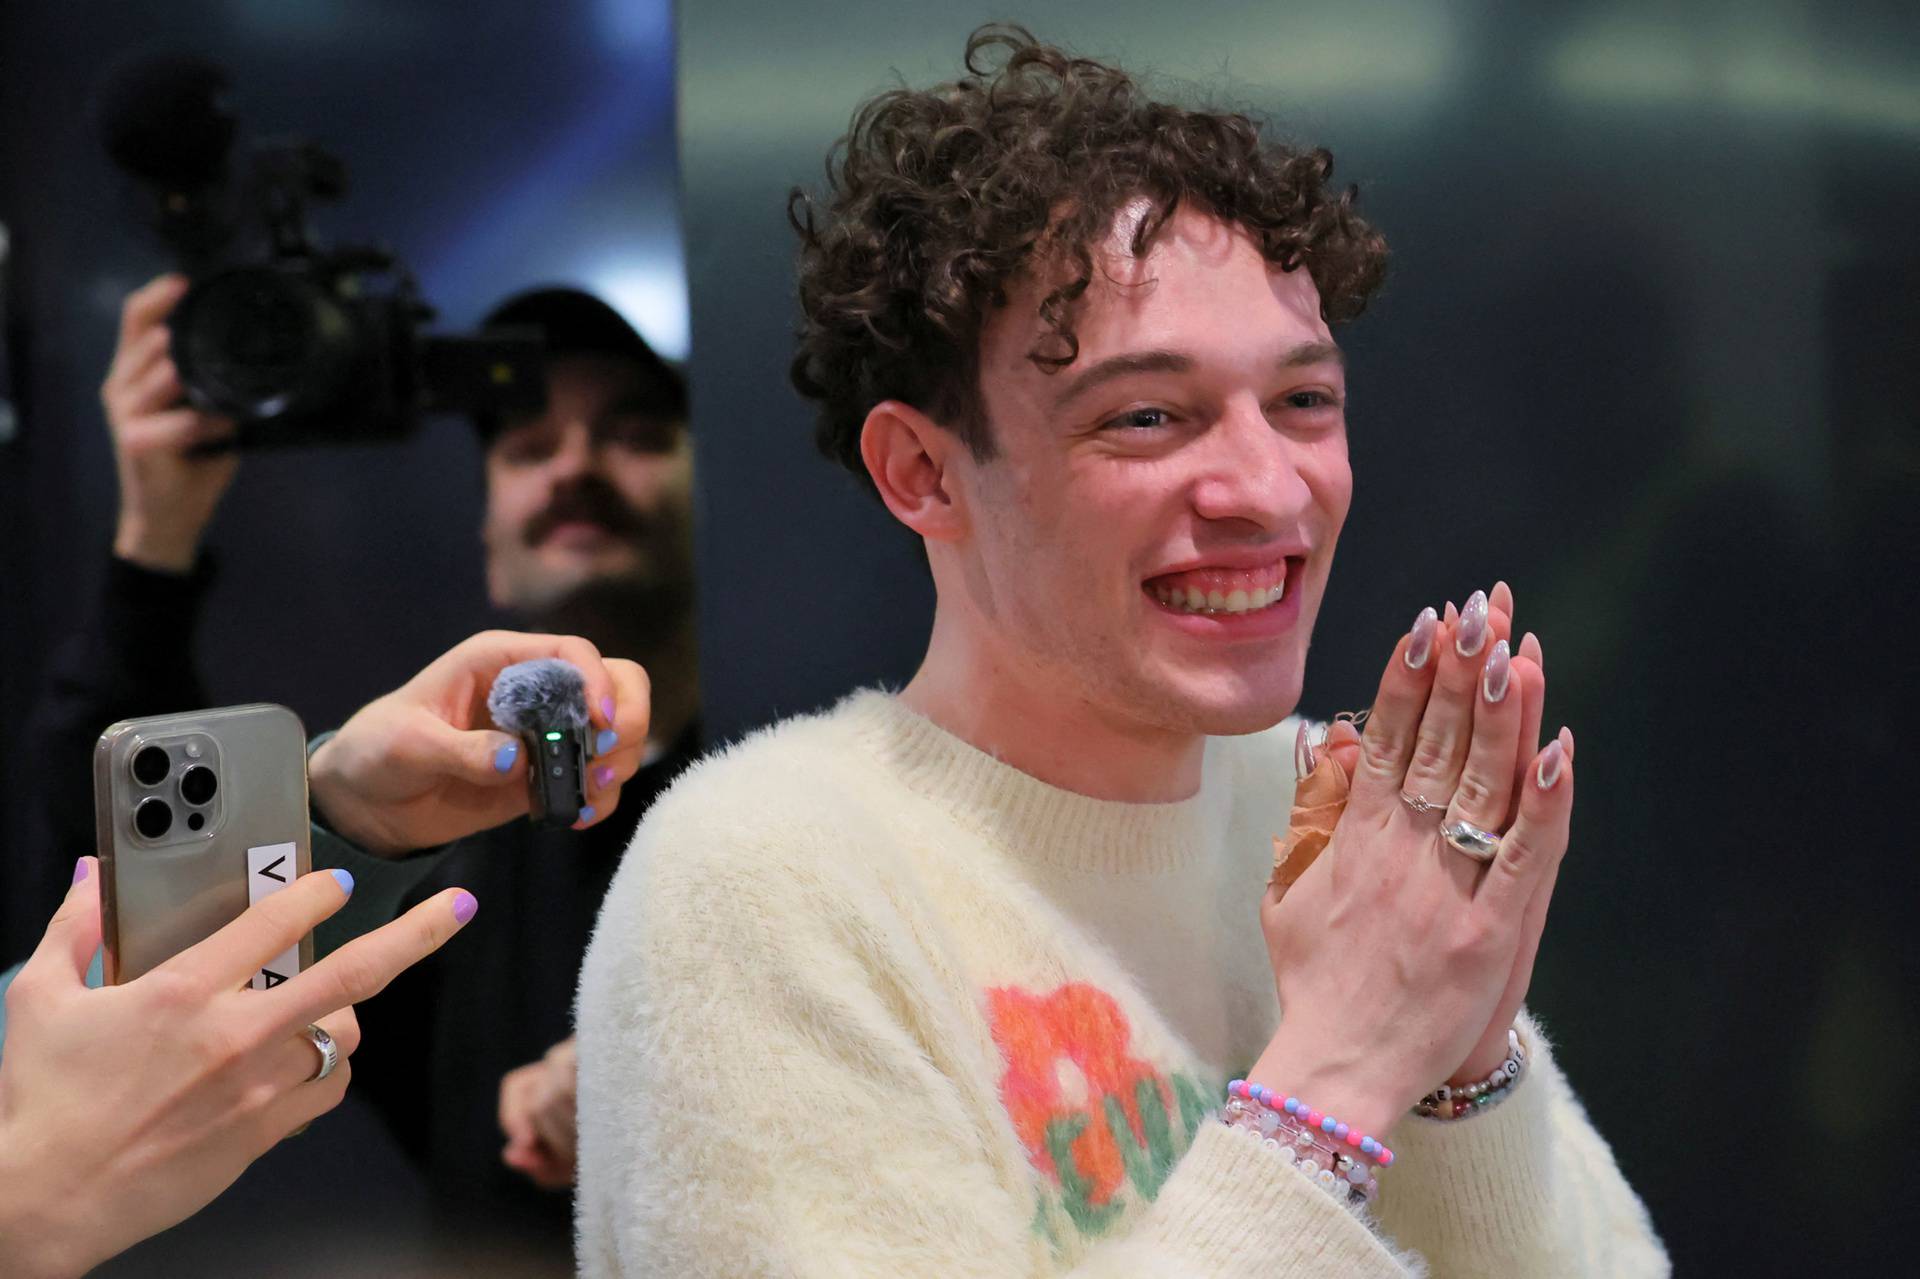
x,y
297,343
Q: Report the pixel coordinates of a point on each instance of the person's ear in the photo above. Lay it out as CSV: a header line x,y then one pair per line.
x,y
908,454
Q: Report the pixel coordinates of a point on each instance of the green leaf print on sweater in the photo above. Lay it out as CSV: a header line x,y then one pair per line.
x,y
1149,1162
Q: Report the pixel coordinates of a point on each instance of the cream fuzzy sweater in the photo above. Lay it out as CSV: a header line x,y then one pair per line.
x,y
864,1001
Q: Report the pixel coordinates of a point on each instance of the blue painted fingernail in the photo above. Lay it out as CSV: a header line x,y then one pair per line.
x,y
345,881
605,742
587,814
504,757
606,709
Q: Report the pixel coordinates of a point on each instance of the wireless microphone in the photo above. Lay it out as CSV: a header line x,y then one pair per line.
x,y
544,704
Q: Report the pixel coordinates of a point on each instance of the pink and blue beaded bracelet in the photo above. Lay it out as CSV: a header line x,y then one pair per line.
x,y
1273,1100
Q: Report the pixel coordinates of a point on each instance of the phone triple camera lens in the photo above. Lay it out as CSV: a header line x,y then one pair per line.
x,y
151,765
153,818
198,784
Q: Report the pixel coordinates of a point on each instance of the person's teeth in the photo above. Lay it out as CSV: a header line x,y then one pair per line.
x,y
1239,600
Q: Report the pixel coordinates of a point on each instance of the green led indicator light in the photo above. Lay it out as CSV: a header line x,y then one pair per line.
x,y
554,737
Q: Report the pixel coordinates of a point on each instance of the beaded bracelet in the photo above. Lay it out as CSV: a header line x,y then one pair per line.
x,y
1300,1144
1336,1175
1294,1107
1463,1101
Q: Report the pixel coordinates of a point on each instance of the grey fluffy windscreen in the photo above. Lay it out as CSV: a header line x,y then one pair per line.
x,y
544,693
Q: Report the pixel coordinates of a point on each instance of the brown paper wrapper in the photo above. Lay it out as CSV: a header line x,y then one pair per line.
x,y
1317,804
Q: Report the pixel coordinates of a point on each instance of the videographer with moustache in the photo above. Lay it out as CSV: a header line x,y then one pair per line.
x,y
587,533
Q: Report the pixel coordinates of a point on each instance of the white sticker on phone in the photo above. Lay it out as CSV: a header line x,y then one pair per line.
x,y
270,868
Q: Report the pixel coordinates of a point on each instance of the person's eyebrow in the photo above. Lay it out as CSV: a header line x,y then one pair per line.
x,y
1117,366
1309,353
636,404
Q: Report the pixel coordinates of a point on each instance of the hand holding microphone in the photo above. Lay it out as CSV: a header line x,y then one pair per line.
x,y
422,766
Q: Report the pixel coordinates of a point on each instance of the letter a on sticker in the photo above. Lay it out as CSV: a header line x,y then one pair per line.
x,y
271,978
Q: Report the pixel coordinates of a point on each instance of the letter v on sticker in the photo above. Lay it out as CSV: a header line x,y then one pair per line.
x,y
270,868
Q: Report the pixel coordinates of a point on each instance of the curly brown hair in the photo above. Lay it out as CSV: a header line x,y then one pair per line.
x,y
938,199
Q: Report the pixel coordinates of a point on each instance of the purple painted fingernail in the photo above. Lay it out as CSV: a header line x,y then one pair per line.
x,y
464,904
1421,647
1473,626
603,776
504,757
607,740
80,870
606,709
1551,760
1493,683
345,881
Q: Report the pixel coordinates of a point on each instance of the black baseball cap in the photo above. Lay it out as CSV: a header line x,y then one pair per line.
x,y
574,322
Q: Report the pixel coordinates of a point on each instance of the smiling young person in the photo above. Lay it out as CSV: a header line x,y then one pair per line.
x,y
952,981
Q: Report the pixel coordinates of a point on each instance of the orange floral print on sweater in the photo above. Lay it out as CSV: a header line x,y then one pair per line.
x,y
1092,1116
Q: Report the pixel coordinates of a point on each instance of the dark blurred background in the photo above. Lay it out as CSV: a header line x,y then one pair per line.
x,y
1650,351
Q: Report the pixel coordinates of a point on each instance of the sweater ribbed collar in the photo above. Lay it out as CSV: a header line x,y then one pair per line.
x,y
1027,818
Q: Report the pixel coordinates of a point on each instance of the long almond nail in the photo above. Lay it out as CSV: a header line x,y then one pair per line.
x,y
1473,625
1493,682
1551,760
1421,646
1530,648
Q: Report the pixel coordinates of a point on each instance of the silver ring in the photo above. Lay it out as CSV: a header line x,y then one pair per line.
x,y
328,1050
1464,837
1421,804
1313,735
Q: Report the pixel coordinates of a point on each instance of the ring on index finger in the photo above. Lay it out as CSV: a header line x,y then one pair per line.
x,y
1465,837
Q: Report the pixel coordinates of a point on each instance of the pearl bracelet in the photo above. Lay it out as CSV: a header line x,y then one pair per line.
x,y
1340,1175
1463,1101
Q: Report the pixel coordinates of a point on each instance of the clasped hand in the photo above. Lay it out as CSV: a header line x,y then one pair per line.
x,y
1400,961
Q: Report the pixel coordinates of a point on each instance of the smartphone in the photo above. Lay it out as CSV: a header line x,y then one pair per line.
x,y
196,817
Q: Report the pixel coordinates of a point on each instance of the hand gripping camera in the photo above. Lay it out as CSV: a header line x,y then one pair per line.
x,y
298,343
